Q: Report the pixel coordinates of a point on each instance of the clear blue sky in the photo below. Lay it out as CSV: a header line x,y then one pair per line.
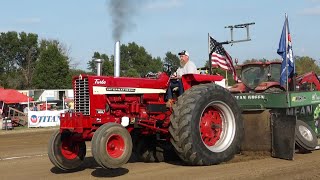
x,y
169,25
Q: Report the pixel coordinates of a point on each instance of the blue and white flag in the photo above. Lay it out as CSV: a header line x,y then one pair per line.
x,y
285,51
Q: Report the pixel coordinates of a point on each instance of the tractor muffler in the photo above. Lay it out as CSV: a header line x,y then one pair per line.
x,y
117,59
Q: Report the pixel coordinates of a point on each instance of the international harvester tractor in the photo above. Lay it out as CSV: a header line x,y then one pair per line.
x,y
122,115
127,117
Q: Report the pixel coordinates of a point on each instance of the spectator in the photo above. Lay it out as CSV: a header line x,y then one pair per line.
x,y
35,108
25,109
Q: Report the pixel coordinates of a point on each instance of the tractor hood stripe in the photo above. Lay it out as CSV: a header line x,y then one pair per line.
x,y
125,90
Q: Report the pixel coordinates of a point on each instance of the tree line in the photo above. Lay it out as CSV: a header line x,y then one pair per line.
x,y
27,62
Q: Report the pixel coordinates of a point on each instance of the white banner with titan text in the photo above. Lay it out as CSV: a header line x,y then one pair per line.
x,y
44,118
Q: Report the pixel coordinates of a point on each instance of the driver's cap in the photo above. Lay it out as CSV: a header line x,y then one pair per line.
x,y
184,52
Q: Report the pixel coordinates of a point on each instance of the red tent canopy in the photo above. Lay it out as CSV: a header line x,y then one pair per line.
x,y
10,96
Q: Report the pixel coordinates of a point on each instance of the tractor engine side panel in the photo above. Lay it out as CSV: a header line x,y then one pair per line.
x,y
99,100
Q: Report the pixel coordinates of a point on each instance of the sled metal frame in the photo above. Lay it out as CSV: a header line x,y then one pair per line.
x,y
231,27
265,117
245,25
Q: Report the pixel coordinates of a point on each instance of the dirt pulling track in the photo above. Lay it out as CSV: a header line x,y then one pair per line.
x,y
23,155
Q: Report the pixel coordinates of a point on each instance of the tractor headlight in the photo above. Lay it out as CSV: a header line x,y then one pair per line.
x,y
125,121
100,111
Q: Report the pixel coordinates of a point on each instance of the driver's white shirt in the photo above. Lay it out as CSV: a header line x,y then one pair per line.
x,y
188,68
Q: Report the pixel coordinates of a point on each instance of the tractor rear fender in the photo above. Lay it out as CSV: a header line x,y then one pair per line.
x,y
189,80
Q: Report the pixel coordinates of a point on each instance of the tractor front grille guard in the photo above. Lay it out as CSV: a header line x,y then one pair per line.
x,y
82,96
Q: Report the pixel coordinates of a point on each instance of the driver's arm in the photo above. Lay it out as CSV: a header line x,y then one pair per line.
x,y
177,74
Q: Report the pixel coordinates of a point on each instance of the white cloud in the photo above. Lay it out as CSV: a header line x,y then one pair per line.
x,y
32,20
311,11
163,4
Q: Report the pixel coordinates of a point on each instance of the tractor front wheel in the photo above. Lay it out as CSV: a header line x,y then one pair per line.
x,y
65,153
111,145
206,126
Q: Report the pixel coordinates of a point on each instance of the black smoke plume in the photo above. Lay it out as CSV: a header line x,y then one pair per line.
x,y
122,12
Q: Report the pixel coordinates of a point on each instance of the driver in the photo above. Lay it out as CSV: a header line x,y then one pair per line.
x,y
187,67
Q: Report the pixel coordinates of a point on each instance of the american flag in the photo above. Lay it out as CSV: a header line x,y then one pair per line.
x,y
220,57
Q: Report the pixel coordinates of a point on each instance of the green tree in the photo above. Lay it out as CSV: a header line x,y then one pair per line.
x,y
107,64
132,73
260,60
52,69
19,53
156,65
136,57
9,46
172,60
254,60
73,73
306,64
135,61
27,56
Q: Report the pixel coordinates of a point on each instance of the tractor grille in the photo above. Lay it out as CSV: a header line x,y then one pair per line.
x,y
82,96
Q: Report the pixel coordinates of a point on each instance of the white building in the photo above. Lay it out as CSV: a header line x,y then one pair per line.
x,y
50,94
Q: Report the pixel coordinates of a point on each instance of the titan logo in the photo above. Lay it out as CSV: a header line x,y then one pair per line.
x,y
38,119
99,81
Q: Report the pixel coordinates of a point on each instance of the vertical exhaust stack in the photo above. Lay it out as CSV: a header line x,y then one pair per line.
x,y
99,62
117,59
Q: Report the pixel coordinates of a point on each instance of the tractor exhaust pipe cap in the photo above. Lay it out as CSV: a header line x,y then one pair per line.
x,y
99,62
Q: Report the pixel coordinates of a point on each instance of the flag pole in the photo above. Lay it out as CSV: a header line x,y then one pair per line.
x,y
286,53
294,75
226,81
2,107
209,61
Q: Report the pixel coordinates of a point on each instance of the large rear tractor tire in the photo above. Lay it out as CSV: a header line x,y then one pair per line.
x,y
148,149
206,126
111,145
64,153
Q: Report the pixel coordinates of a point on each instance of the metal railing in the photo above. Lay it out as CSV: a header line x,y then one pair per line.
x,y
18,118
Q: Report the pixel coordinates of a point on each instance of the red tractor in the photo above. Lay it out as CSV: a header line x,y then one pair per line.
x,y
308,81
261,77
122,116
258,77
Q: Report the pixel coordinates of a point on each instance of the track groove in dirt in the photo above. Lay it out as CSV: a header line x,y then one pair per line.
x,y
30,148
